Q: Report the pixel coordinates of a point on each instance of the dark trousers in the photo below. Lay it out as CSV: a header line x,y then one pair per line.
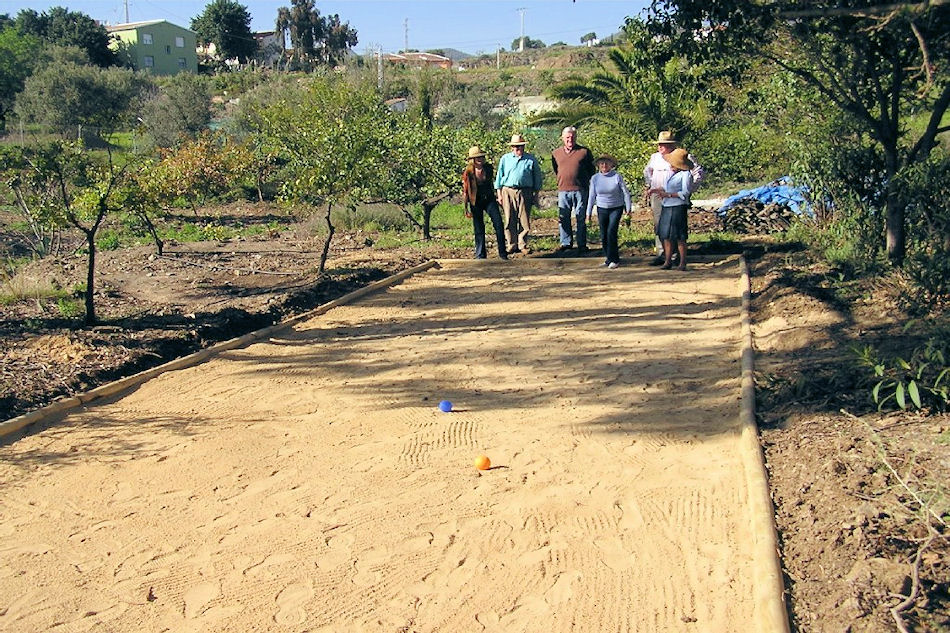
x,y
478,222
609,220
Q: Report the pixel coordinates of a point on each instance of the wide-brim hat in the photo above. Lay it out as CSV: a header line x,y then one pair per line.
x,y
679,158
606,158
517,139
666,137
475,152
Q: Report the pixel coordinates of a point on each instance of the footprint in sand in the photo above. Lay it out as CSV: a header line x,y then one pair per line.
x,y
290,604
197,598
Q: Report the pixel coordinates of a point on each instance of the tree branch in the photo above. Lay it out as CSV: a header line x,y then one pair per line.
x,y
916,7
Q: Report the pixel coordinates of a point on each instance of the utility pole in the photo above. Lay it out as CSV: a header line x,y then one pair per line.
x,y
126,11
405,26
498,57
521,43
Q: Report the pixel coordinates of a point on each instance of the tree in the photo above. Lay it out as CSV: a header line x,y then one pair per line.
x,y
18,53
528,43
877,63
179,109
313,38
340,38
588,38
645,91
328,136
67,97
226,24
197,170
63,185
69,28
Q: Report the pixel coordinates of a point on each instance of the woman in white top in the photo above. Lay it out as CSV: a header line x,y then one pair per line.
x,y
609,192
675,198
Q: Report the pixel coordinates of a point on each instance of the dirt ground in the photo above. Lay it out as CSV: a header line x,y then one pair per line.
x,y
852,488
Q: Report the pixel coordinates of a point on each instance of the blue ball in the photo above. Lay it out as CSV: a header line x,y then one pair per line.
x,y
445,406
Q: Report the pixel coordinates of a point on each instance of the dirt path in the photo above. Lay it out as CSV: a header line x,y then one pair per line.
x,y
310,483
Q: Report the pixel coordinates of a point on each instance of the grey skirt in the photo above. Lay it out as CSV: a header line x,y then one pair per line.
x,y
672,224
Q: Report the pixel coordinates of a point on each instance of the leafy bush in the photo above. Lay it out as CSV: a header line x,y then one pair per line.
x,y
921,381
743,152
925,189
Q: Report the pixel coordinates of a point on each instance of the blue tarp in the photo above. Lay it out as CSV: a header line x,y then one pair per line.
x,y
781,191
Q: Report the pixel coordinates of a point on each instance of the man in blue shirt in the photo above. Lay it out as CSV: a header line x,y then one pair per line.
x,y
517,183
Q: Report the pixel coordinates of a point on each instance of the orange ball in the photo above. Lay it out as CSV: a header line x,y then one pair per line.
x,y
482,462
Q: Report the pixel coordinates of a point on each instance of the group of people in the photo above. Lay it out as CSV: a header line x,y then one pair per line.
x,y
583,183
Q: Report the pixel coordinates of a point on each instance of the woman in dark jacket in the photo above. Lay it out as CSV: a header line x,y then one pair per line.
x,y
479,193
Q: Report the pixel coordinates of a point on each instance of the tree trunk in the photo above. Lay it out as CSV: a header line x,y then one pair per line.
x,y
427,207
326,244
90,278
159,244
895,238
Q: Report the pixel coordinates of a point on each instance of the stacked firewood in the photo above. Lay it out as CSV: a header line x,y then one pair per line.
x,y
753,217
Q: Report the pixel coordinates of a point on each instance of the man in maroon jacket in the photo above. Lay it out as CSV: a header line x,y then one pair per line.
x,y
574,166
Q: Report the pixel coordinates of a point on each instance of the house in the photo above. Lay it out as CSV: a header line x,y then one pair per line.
x,y
399,104
418,60
270,48
156,46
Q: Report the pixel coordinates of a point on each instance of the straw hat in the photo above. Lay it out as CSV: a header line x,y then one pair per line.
x,y
475,152
517,139
666,137
680,159
606,158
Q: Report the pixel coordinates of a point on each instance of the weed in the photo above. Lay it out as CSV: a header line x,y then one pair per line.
x,y
69,307
920,381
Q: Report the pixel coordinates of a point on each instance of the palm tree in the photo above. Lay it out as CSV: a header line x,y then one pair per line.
x,y
646,91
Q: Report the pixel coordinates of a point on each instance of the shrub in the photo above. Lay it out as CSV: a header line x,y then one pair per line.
x,y
925,191
921,381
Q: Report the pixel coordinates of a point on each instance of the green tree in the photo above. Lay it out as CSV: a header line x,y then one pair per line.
x,y
68,97
64,185
196,171
227,25
876,63
18,53
328,136
528,43
63,27
340,39
315,39
179,108
647,90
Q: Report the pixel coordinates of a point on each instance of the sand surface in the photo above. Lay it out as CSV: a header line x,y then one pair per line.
x,y
310,482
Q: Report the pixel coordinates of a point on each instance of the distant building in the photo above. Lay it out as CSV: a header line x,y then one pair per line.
x,y
399,104
156,46
418,60
528,106
270,48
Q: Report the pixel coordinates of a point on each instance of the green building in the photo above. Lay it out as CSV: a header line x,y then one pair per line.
x,y
156,46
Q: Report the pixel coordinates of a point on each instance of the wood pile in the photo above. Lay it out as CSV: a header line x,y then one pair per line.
x,y
751,216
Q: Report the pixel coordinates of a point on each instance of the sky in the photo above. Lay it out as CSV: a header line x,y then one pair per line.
x,y
472,26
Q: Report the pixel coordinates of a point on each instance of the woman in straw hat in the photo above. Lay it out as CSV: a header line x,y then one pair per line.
x,y
479,193
671,227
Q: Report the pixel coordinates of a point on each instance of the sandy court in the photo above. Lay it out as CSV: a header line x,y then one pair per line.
x,y
310,483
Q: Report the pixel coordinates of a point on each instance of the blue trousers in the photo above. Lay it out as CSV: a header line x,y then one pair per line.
x,y
609,220
572,203
478,223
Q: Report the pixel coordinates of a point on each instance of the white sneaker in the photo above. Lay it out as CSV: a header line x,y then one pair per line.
x,y
613,265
